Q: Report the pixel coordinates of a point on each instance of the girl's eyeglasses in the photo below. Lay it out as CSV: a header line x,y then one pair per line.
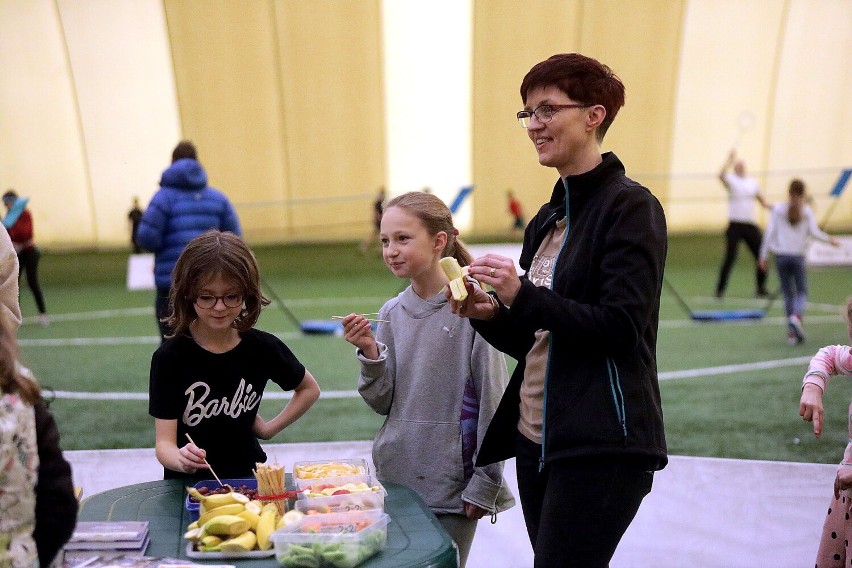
x,y
207,301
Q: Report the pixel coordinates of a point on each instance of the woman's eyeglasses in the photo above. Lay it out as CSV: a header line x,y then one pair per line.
x,y
544,113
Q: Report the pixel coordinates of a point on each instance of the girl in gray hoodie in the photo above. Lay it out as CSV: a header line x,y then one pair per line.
x,y
435,380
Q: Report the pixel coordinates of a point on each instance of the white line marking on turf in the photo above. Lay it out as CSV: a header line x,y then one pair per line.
x,y
139,340
345,301
295,335
149,311
731,369
763,302
348,394
144,395
97,314
779,321
290,336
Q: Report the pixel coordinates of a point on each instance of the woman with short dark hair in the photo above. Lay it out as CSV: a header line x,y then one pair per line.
x,y
582,412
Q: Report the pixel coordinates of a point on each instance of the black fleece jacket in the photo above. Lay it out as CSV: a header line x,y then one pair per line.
x,y
56,505
601,397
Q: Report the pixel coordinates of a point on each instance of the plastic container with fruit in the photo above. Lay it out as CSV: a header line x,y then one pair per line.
x,y
246,486
340,540
359,496
330,472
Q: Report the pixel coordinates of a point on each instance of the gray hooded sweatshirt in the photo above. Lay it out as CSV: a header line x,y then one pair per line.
x,y
427,355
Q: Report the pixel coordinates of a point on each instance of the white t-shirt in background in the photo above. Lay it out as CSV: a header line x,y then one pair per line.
x,y
744,191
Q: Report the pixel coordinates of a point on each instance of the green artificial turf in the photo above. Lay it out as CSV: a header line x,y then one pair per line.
x,y
102,336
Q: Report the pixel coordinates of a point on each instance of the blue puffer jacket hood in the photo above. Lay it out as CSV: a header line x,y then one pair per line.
x,y
185,173
183,208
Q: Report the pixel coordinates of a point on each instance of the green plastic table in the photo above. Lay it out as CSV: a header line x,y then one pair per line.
x,y
415,537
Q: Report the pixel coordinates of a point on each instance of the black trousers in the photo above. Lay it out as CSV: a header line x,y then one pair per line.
x,y
735,233
28,264
577,509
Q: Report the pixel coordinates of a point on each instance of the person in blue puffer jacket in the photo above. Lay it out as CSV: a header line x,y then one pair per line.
x,y
183,208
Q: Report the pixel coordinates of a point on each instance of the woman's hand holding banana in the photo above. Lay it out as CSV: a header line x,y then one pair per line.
x,y
498,272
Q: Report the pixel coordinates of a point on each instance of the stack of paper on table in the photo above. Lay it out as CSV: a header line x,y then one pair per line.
x,y
125,536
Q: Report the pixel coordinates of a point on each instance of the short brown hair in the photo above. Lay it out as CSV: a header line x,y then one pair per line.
x,y
583,79
211,254
184,149
436,217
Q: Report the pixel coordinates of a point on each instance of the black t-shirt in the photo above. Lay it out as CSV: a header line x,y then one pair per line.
x,y
215,397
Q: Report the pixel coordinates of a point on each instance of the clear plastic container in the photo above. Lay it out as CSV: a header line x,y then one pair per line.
x,y
193,507
330,472
338,540
374,498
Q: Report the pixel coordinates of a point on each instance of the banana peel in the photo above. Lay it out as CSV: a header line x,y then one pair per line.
x,y
209,502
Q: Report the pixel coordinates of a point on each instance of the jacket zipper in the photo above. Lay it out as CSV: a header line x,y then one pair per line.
x,y
617,395
550,343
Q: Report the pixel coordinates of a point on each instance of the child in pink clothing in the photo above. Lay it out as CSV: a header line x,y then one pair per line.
x,y
834,546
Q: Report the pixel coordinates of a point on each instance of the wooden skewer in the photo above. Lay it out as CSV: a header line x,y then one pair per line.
x,y
188,437
362,315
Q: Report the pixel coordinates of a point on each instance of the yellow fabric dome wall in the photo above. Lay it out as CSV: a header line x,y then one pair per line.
x,y
295,105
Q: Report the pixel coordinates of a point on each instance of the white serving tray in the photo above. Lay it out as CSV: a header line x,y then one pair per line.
x,y
192,553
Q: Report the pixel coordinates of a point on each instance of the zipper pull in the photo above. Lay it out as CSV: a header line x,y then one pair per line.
x,y
540,464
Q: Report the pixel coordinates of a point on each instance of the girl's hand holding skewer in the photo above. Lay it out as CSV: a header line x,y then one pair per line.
x,y
192,458
207,465
358,331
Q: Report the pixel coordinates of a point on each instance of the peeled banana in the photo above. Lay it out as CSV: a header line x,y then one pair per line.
x,y
265,526
255,507
289,518
251,517
232,509
210,543
240,543
456,275
226,525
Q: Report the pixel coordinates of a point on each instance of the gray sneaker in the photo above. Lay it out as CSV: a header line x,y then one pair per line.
x,y
795,326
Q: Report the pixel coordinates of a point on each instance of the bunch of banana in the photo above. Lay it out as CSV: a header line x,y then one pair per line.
x,y
230,522
456,274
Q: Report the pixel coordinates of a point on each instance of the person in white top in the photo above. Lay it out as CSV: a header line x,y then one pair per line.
x,y
743,191
790,226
